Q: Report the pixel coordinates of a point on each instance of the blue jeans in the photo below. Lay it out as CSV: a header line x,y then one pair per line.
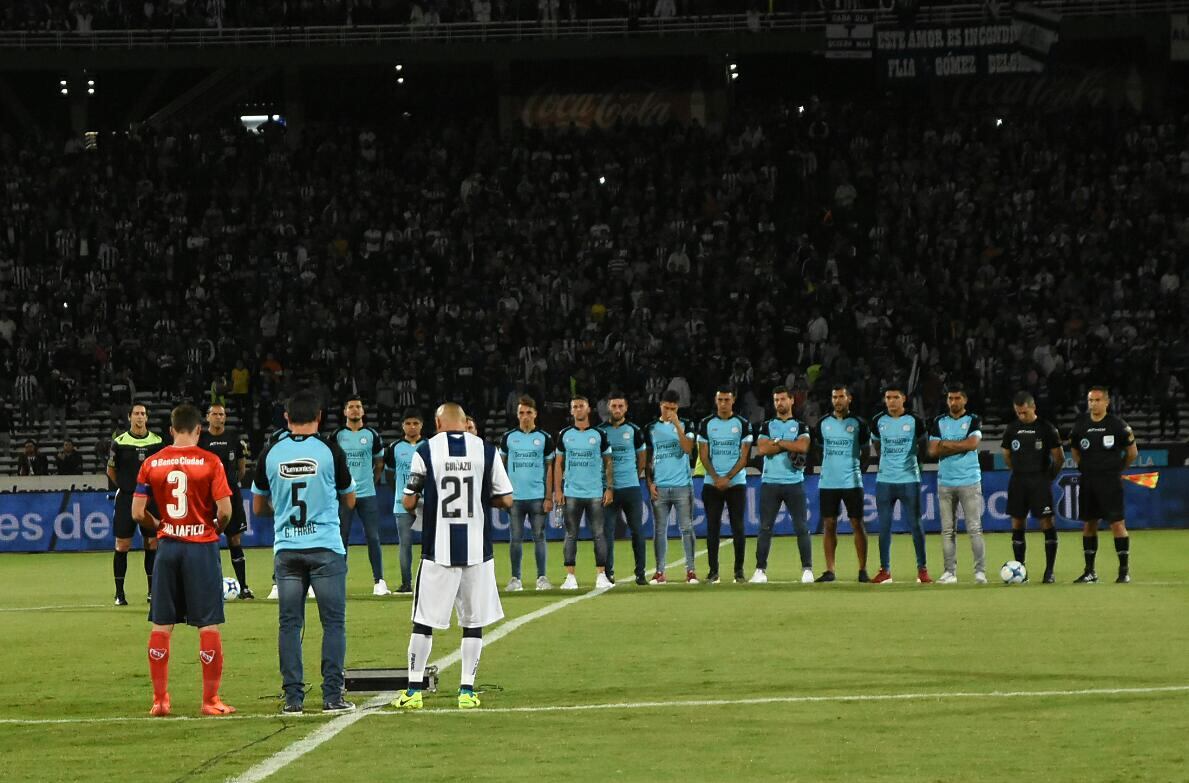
x,y
681,499
793,498
575,508
404,538
630,500
909,496
326,571
369,512
535,511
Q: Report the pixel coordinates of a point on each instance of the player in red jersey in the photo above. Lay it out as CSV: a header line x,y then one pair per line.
x,y
190,488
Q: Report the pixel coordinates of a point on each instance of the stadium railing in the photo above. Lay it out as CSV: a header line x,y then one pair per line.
x,y
948,14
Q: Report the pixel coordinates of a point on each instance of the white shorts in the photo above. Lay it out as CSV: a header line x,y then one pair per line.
x,y
470,590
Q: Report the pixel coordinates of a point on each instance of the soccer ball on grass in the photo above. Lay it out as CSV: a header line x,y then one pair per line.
x,y
230,589
1013,572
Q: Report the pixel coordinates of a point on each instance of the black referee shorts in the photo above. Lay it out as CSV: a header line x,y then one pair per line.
x,y
1029,493
1100,497
123,524
830,501
239,520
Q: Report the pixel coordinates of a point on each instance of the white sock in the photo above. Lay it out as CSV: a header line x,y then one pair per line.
x,y
419,647
471,650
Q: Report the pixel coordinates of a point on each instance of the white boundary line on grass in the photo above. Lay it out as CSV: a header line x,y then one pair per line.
x,y
48,608
644,705
328,731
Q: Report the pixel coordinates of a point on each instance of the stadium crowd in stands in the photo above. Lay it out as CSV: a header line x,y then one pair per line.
x,y
419,263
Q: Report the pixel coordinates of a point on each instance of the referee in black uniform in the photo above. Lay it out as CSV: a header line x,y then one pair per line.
x,y
1033,453
227,446
1103,447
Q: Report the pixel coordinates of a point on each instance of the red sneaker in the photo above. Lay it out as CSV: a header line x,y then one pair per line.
x,y
923,576
658,578
691,577
160,709
216,707
884,576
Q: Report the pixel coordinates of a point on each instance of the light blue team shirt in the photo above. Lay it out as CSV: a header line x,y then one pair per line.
x,y
528,455
627,440
397,458
361,448
783,467
725,439
582,452
841,442
670,465
958,470
304,476
899,439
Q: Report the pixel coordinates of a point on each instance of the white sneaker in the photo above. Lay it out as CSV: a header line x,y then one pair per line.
x,y
603,583
571,583
947,578
980,578
543,583
514,586
380,588
310,592
759,577
807,576
273,594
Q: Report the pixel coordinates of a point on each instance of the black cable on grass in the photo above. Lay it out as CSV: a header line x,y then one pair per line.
x,y
204,766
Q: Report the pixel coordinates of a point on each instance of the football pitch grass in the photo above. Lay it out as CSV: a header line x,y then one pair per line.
x,y
782,682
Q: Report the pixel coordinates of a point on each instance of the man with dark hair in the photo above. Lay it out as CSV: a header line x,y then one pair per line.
x,y
364,448
843,440
1103,447
1032,450
127,451
32,462
300,482
528,455
670,441
190,487
627,459
582,482
724,444
69,460
897,436
953,442
783,441
227,446
397,458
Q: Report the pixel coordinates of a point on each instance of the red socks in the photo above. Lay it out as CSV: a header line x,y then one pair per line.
x,y
210,653
159,663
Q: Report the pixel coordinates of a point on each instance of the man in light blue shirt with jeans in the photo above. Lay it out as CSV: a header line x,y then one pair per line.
x,y
582,484
528,455
671,440
953,441
783,442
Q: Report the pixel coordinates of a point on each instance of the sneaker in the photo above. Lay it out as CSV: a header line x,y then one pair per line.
x,y
739,577
658,579
863,576
1048,578
380,588
601,583
216,707
1124,577
409,700
337,707
712,578
514,586
571,583
691,577
543,583
807,576
949,578
160,709
828,576
641,580
293,709
980,578
923,577
274,594
121,600
245,594
405,587
759,577
1086,578
882,578
467,700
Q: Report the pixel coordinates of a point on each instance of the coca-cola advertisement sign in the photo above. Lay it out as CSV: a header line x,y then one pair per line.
x,y
644,105
1063,90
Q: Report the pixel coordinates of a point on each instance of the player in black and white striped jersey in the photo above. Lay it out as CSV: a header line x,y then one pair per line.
x,y
461,479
